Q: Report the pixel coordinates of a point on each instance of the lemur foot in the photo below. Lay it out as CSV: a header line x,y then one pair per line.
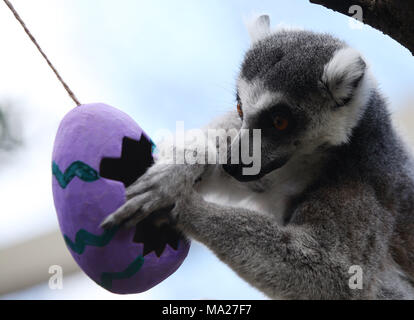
x,y
160,187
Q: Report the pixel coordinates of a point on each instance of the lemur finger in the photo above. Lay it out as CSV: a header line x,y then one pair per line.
x,y
155,204
143,185
136,219
125,212
155,210
137,189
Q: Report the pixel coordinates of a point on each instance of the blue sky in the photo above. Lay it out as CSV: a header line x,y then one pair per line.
x,y
181,58
161,61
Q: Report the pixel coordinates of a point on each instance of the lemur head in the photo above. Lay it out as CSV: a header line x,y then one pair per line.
x,y
304,90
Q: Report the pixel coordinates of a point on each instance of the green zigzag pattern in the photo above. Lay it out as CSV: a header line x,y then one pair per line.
x,y
76,169
108,277
84,238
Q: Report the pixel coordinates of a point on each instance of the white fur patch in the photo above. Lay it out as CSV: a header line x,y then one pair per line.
x,y
280,186
258,27
255,96
339,75
342,71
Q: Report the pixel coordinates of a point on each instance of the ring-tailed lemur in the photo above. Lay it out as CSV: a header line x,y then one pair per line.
x,y
336,188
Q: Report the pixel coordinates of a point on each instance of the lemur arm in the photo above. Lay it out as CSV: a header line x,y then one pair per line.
x,y
298,261
166,181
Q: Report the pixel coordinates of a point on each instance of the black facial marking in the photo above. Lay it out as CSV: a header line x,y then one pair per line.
x,y
274,165
265,120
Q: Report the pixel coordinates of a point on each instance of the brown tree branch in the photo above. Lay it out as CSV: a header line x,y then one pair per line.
x,y
393,17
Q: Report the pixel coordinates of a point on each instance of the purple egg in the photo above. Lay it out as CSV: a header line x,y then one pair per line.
x,y
98,152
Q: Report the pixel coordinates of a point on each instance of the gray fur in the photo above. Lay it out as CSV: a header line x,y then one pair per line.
x,y
342,196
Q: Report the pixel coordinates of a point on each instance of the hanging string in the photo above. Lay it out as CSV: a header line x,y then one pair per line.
x,y
68,90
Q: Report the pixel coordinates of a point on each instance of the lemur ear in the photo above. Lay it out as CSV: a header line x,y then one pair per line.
x,y
258,27
343,74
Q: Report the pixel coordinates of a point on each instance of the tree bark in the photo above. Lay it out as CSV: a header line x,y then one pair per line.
x,y
393,17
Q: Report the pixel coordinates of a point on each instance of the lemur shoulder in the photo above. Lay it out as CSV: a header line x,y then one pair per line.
x,y
335,188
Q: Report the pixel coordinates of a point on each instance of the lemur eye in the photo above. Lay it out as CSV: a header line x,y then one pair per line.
x,y
280,123
240,110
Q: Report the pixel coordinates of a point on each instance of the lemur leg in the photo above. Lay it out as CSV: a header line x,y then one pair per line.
x,y
166,181
282,262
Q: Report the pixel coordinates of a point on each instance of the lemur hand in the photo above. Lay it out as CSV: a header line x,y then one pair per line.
x,y
160,187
